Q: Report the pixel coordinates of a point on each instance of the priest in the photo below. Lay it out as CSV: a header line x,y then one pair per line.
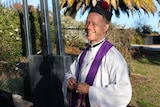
x,y
99,76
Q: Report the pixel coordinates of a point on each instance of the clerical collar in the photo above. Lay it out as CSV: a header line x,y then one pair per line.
x,y
94,45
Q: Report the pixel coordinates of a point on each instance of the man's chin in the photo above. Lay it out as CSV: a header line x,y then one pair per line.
x,y
91,40
90,37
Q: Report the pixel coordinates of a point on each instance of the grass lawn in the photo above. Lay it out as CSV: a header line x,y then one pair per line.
x,y
145,79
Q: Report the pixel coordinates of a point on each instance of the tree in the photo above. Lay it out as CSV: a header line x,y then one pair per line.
x,y
72,6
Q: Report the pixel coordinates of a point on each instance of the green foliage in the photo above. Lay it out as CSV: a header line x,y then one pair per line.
x,y
137,39
73,32
143,28
10,42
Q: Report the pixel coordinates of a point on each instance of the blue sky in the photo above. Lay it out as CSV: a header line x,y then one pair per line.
x,y
123,20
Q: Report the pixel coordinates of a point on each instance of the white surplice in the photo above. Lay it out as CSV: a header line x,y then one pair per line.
x,y
111,86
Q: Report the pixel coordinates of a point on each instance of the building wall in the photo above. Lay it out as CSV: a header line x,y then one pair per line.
x,y
148,40
156,40
151,40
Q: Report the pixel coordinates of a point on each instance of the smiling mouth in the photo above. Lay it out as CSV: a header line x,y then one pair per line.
x,y
90,33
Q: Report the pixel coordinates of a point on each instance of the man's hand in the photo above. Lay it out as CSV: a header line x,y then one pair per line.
x,y
71,83
82,88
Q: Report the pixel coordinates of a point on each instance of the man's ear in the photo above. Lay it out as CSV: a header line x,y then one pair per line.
x,y
106,27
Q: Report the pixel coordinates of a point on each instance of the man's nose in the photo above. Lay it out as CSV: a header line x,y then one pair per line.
x,y
89,26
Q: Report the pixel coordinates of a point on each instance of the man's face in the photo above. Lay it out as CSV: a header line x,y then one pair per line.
x,y
95,27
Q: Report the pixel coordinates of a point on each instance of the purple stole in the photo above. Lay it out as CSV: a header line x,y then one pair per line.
x,y
77,99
